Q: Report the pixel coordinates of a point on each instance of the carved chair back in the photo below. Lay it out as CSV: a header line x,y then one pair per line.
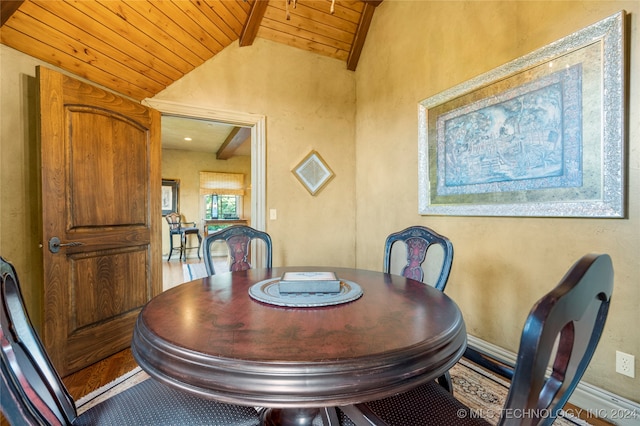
x,y
418,240
238,239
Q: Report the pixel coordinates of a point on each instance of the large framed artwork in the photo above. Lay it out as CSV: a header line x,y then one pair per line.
x,y
543,135
170,196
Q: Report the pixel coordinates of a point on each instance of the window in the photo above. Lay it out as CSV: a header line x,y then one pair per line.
x,y
222,194
222,206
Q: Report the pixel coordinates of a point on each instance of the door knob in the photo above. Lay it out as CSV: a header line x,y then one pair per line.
x,y
55,244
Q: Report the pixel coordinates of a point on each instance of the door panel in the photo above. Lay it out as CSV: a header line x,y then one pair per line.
x,y
108,186
101,181
99,281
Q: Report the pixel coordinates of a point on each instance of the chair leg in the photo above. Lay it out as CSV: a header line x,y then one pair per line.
x,y
359,417
329,416
445,382
170,247
184,241
183,247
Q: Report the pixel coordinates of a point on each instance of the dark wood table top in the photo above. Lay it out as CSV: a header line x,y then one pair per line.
x,y
210,337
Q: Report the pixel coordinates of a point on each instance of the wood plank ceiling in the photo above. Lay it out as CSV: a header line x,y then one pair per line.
x,y
137,48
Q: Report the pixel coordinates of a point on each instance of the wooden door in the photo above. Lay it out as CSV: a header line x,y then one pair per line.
x,y
101,159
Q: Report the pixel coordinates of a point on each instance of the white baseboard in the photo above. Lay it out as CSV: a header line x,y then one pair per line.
x,y
596,401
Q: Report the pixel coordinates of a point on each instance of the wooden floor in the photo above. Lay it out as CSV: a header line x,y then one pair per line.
x,y
101,373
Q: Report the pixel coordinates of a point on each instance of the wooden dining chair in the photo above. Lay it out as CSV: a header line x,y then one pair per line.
x,y
238,239
418,241
32,392
571,316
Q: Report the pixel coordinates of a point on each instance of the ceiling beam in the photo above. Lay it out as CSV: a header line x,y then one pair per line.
x,y
361,33
8,8
237,136
254,20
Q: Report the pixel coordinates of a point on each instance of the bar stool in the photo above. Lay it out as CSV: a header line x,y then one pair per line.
x,y
183,230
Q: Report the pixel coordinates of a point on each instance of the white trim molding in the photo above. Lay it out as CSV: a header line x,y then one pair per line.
x,y
594,400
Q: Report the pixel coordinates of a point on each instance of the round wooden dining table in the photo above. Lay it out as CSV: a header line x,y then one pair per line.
x,y
213,338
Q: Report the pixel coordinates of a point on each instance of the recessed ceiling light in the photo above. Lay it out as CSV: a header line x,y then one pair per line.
x,y
187,139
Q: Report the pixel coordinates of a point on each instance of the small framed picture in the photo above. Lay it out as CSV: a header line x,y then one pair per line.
x,y
313,172
170,194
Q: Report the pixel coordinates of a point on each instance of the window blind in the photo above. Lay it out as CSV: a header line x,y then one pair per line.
x,y
221,183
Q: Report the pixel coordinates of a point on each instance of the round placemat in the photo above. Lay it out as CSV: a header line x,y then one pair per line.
x,y
267,291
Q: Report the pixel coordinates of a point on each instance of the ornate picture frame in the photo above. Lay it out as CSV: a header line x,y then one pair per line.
x,y
170,198
313,172
543,135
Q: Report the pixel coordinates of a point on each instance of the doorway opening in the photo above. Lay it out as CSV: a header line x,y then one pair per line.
x,y
256,124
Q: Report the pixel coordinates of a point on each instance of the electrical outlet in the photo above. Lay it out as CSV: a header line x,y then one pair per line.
x,y
625,364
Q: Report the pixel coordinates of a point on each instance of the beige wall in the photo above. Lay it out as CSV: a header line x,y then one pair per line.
x,y
20,211
186,167
501,266
309,104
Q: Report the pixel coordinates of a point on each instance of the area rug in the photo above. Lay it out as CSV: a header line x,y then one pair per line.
x,y
486,393
193,271
480,390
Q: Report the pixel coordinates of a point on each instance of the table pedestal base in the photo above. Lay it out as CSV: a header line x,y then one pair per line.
x,y
288,416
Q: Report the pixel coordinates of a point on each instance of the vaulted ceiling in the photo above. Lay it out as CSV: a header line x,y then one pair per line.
x,y
137,48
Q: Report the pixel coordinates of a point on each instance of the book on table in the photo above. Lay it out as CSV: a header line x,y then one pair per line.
x,y
309,282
